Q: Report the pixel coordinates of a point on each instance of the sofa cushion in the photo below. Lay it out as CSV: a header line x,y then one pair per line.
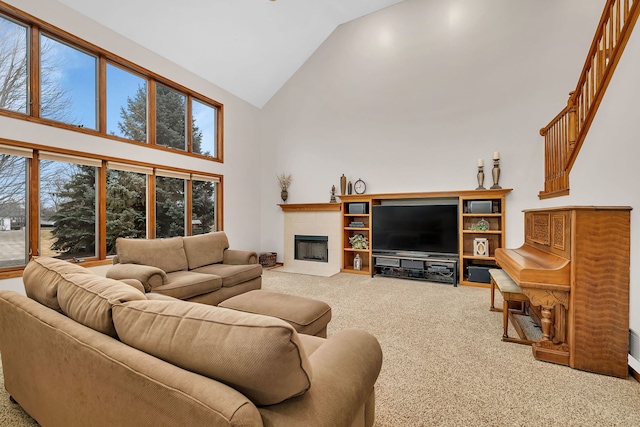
x,y
205,249
188,284
232,274
260,356
42,275
88,298
165,254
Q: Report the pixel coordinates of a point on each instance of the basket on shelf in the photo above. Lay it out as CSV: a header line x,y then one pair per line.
x,y
268,259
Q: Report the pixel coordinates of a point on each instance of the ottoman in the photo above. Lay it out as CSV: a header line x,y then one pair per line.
x,y
307,316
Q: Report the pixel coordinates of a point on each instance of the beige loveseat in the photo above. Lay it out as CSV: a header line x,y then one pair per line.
x,y
198,268
88,350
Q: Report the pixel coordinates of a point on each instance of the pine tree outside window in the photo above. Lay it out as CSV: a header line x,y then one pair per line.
x,y
126,104
126,203
68,206
170,203
171,114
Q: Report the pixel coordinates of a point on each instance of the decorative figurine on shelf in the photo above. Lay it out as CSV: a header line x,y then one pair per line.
x,y
481,246
284,181
480,175
496,170
357,262
333,195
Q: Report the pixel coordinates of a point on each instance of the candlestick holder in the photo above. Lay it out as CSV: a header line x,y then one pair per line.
x,y
480,178
496,174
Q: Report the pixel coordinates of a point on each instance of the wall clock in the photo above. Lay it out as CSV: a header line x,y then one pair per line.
x,y
359,187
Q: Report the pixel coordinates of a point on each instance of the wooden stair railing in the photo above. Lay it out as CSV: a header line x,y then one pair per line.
x,y
564,135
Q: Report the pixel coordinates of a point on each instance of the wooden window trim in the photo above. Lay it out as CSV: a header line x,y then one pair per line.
x,y
33,189
37,26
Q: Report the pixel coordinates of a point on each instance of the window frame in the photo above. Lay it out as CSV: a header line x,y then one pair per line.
x,y
36,26
33,197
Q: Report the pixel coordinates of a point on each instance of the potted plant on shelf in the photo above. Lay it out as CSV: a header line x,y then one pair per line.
x,y
358,241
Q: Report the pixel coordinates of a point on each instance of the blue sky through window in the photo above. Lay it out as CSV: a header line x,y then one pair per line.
x,y
121,85
68,84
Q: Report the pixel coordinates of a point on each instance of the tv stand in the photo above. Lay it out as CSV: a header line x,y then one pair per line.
x,y
417,267
477,244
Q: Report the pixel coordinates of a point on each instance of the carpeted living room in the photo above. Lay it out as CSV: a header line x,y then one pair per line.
x,y
418,212
444,362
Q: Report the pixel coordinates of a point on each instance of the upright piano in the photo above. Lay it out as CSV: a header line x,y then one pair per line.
x,y
574,268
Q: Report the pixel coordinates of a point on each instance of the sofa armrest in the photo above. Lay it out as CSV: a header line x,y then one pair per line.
x,y
149,276
239,257
345,369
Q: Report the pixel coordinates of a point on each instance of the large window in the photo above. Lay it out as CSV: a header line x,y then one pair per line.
x,y
13,206
126,104
126,203
68,207
14,71
67,84
170,203
83,204
49,76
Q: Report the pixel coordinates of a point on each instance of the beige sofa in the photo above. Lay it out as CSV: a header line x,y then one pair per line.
x,y
88,350
198,268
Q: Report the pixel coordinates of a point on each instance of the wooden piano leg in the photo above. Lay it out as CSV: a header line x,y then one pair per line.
x,y
547,323
545,349
505,319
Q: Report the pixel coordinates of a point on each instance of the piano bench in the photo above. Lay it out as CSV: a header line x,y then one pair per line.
x,y
511,293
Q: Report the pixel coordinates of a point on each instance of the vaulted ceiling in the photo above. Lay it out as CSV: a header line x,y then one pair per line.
x,y
248,47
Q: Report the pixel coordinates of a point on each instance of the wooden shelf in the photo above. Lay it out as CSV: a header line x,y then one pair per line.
x,y
495,234
477,257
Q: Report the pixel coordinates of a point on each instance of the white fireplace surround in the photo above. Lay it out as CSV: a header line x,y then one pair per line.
x,y
313,223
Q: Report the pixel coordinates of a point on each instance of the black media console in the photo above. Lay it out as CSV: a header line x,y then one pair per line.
x,y
431,269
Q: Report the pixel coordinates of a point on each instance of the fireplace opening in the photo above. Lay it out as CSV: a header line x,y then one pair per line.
x,y
312,248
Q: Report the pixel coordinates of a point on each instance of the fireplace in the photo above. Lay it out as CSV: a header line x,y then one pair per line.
x,y
311,248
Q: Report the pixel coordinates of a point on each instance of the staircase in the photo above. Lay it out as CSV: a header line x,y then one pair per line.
x,y
564,135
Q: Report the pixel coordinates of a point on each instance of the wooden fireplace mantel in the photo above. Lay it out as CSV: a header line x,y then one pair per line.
x,y
306,207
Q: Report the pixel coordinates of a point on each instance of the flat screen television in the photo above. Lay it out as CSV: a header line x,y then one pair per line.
x,y
421,229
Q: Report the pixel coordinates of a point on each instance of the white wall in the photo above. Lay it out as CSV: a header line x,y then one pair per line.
x,y
241,131
606,171
410,97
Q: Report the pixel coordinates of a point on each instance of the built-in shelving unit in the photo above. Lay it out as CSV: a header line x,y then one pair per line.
x,y
356,223
494,235
468,219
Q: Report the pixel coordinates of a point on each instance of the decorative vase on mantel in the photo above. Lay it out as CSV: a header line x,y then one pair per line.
x,y
343,185
284,194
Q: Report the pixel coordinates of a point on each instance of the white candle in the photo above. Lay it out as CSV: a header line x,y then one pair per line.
x,y
480,162
496,155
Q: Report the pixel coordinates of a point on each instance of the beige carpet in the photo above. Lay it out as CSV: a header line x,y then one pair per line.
x,y
444,363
